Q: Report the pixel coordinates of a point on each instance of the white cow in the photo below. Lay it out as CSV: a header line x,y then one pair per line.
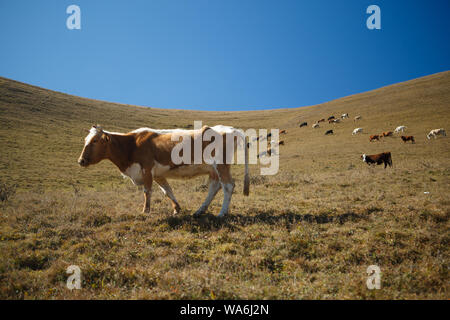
x,y
436,132
315,125
357,130
344,115
400,128
357,118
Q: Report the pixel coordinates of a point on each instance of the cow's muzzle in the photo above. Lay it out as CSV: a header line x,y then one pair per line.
x,y
83,162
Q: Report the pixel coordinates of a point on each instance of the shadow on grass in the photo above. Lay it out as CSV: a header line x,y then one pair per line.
x,y
208,221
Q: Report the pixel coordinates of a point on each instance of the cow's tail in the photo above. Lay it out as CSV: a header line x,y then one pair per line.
x,y
246,173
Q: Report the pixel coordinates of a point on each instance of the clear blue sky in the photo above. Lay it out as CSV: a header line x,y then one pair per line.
x,y
222,54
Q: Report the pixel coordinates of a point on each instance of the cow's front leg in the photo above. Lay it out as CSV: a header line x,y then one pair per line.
x,y
167,190
148,181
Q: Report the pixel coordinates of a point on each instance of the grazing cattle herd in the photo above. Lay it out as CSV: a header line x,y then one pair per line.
x,y
144,156
384,157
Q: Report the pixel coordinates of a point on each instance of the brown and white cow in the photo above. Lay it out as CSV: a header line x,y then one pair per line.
x,y
145,156
436,132
408,138
378,159
374,137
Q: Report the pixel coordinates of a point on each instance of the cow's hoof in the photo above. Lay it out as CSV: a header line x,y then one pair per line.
x,y
146,210
222,215
199,212
176,210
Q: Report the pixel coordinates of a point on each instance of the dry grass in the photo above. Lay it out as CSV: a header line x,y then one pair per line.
x,y
311,231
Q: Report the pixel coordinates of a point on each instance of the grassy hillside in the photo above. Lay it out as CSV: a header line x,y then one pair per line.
x,y
310,231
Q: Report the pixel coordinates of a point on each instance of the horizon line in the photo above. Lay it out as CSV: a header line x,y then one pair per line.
x,y
197,110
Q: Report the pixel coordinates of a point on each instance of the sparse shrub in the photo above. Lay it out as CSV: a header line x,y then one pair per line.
x,y
258,179
201,188
6,191
371,210
32,261
96,220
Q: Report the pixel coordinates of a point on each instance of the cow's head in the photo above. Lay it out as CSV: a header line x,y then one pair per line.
x,y
95,147
363,157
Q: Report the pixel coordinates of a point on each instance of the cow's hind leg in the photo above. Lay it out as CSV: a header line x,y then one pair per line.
x,y
214,186
167,190
223,171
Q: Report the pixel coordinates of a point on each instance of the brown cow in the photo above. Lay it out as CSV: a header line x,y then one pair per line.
x,y
321,120
387,134
145,155
375,137
283,132
408,138
378,159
